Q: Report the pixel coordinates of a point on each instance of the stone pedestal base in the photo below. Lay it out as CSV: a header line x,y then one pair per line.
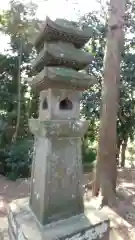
x,y
23,225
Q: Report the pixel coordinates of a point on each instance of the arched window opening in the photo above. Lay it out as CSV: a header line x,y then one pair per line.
x,y
45,104
66,104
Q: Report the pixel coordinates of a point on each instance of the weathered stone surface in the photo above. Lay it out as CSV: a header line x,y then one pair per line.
x,y
56,191
58,128
89,226
64,30
12,224
61,54
61,78
54,98
10,234
14,229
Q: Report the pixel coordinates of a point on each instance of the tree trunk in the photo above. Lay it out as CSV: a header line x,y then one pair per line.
x,y
123,151
106,168
19,93
119,142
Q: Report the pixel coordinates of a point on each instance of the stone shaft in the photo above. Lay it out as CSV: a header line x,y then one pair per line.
x,y
56,191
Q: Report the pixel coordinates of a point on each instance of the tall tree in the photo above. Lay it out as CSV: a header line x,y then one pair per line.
x,y
19,24
106,168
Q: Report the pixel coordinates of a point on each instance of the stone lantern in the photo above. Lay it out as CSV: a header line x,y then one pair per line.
x,y
56,197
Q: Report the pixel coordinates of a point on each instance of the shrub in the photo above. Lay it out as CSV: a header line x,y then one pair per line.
x,y
88,157
19,159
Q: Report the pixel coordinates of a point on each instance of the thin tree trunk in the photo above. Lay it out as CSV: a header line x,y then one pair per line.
x,y
106,168
123,151
119,142
19,94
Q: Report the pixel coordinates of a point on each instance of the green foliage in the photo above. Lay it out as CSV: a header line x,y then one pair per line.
x,y
19,159
20,24
88,154
89,144
91,98
88,151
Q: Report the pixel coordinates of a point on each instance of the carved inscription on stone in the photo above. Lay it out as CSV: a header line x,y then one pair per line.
x,y
94,233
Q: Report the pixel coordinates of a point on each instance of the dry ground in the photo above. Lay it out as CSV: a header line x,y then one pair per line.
x,y
122,217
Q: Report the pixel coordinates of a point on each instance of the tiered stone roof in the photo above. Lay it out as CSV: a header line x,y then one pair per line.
x,y
61,57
